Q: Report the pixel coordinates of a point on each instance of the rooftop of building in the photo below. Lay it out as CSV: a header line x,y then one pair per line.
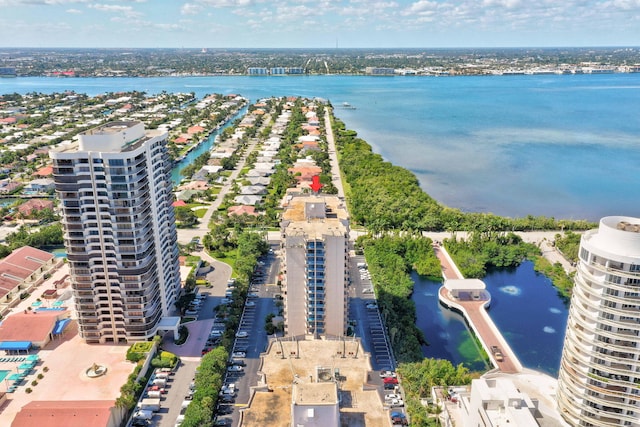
x,y
111,128
33,326
70,413
303,363
307,214
133,132
325,393
529,385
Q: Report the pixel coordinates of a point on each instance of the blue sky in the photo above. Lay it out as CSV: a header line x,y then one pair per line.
x,y
318,23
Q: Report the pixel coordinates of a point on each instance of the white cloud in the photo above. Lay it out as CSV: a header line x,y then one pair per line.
x,y
190,9
74,11
39,2
226,3
127,11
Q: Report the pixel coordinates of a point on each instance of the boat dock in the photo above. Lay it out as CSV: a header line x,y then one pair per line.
x,y
471,299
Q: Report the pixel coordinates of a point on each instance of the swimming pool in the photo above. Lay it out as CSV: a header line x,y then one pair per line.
x,y
3,374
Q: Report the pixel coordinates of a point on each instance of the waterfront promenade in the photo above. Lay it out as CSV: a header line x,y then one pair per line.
x,y
476,315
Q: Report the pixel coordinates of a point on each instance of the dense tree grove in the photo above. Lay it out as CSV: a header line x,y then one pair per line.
x,y
569,244
480,252
418,379
50,235
208,382
391,259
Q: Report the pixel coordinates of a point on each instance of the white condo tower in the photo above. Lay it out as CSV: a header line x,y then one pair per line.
x,y
599,380
119,230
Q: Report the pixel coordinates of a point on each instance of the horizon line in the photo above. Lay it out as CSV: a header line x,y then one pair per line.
x,y
331,48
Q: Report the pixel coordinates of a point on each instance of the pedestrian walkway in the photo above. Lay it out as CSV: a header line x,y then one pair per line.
x,y
476,315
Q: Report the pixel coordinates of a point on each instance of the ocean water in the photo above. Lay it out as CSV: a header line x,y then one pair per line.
x,y
562,146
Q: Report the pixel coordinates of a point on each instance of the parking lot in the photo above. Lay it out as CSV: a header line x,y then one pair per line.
x,y
369,326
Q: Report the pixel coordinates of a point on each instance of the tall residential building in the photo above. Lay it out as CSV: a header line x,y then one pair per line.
x,y
315,239
119,230
599,381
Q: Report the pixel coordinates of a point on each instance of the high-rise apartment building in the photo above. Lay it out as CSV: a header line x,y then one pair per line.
x,y
599,381
315,240
119,230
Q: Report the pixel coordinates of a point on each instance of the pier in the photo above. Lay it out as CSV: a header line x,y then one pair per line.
x,y
471,299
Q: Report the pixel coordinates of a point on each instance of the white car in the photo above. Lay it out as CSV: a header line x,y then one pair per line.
x,y
250,304
235,368
387,374
242,334
253,295
239,354
367,291
395,403
372,306
226,301
191,312
392,397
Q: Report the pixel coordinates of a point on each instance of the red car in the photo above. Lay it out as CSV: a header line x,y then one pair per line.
x,y
390,380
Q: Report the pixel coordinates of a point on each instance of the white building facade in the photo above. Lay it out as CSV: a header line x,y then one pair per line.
x,y
119,230
315,239
599,380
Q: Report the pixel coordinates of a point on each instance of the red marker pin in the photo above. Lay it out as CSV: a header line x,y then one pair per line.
x,y
315,184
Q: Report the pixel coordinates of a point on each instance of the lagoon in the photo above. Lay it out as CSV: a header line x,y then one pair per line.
x,y
524,306
556,145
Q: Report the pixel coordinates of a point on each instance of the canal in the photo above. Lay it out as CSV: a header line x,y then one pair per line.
x,y
524,306
205,146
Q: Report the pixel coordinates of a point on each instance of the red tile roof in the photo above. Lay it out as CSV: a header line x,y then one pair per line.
x,y
30,326
69,413
34,205
195,129
242,209
19,265
179,203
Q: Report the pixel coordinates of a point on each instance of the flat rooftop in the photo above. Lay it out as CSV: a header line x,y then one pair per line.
x,y
288,361
315,393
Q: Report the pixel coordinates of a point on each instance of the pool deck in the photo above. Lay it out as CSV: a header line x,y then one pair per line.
x,y
66,358
475,313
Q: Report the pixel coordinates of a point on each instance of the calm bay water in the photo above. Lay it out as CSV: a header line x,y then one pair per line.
x,y
563,146
524,306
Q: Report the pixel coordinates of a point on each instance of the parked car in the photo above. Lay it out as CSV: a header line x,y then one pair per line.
x,y
250,304
191,312
395,403
228,389
239,354
398,418
392,396
224,409
253,295
390,380
372,306
242,334
235,368
227,398
387,374
390,386
236,362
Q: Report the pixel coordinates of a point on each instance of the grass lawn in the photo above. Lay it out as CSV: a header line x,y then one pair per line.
x,y
228,258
